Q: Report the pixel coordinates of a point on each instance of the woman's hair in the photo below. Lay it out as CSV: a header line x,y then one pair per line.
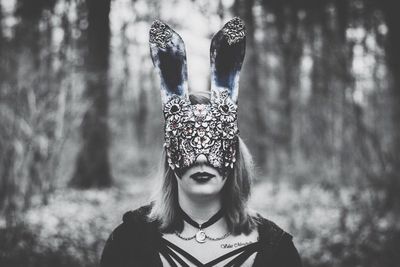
x,y
234,195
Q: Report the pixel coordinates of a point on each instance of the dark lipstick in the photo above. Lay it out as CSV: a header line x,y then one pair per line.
x,y
202,177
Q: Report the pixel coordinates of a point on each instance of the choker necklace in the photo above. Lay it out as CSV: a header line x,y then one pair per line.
x,y
201,235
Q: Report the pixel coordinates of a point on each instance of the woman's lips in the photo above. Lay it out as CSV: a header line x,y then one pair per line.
x,y
202,177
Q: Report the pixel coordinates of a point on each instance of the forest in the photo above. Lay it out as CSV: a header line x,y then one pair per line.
x,y
81,126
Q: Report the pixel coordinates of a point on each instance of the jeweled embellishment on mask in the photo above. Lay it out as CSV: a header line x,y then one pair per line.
x,y
160,34
208,129
234,31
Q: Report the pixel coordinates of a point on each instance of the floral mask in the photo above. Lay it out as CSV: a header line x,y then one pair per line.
x,y
191,130
195,129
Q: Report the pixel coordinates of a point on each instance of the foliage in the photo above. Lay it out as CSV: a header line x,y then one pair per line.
x,y
330,228
71,230
333,227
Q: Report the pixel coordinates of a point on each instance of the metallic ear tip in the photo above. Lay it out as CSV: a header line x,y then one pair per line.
x,y
237,20
236,23
160,33
234,30
156,24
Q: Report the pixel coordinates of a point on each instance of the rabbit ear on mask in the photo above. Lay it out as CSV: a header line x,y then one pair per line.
x,y
169,58
227,52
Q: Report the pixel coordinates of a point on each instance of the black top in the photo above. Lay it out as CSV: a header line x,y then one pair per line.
x,y
170,250
123,249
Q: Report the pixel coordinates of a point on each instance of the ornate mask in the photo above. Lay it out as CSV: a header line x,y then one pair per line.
x,y
195,129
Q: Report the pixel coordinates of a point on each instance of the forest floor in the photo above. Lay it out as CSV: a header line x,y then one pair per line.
x,y
72,228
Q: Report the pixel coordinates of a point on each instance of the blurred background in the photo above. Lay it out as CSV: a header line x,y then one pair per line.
x,y
81,127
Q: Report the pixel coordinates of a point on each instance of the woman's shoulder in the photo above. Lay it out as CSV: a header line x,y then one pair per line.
x,y
277,244
136,221
268,229
132,241
134,224
137,216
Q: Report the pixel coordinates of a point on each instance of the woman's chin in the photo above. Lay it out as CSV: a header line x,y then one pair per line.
x,y
204,189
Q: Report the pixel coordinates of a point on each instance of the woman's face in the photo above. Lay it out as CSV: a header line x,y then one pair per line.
x,y
201,179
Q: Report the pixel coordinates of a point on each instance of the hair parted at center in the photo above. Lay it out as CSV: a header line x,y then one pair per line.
x,y
234,194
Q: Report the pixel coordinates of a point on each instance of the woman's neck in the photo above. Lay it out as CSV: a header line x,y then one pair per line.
x,y
199,209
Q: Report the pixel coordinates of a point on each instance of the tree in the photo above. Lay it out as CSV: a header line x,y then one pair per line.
x,y
290,51
250,78
393,61
26,106
92,166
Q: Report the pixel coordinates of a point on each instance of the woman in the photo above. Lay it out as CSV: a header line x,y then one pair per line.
x,y
199,217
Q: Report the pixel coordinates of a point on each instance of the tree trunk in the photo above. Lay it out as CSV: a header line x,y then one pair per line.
x,y
92,167
291,48
320,103
393,59
253,88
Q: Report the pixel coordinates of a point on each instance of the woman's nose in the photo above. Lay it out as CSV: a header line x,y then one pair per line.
x,y
201,158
